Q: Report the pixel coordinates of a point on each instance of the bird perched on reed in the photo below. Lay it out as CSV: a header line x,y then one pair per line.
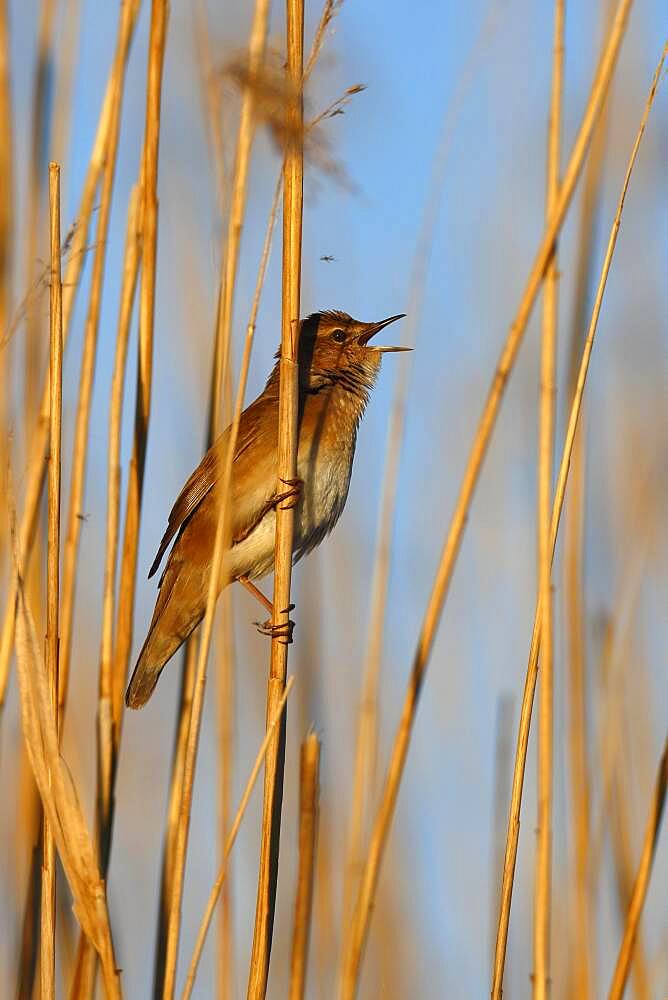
x,y
338,367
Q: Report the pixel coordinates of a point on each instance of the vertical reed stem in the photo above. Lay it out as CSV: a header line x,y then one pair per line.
x,y
48,916
229,844
293,174
6,261
89,351
308,835
642,880
543,890
581,955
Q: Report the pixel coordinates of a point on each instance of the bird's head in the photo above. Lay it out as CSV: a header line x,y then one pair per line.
x,y
336,349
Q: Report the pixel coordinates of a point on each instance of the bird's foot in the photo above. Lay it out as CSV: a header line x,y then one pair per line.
x,y
290,497
278,630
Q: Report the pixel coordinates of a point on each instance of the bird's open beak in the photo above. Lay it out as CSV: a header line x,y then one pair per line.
x,y
373,328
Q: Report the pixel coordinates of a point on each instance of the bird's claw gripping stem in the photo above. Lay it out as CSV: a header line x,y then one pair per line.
x,y
279,630
290,497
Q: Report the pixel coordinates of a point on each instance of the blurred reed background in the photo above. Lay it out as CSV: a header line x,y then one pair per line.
x,y
427,195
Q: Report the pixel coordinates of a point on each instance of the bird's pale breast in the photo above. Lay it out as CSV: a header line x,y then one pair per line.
x,y
324,464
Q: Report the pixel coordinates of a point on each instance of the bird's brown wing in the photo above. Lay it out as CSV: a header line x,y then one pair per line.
x,y
253,473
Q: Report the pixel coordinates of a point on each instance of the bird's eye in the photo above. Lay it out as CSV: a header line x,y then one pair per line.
x,y
339,336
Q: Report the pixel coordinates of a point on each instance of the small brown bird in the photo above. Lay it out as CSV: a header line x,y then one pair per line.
x,y
338,367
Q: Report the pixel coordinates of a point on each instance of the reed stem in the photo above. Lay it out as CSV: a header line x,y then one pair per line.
x,y
293,178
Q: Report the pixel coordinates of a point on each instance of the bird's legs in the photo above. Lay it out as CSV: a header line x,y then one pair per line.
x,y
257,593
287,499
290,497
283,630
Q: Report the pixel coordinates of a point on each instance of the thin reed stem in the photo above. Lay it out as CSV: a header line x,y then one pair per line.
x,y
652,829
89,351
581,952
622,852
195,717
173,810
257,44
229,844
110,684
505,711
109,721
6,263
220,401
109,709
451,548
543,888
309,779
149,233
512,838
48,911
293,181
225,705
40,129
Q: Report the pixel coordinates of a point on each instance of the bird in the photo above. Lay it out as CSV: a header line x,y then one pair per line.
x,y
338,366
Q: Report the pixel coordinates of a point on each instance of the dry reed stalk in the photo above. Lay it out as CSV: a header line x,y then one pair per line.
x,y
581,950
27,964
622,852
543,886
48,909
224,651
113,692
173,808
108,721
615,653
186,777
6,260
642,879
58,791
257,44
293,182
229,844
614,767
219,412
451,547
220,400
89,349
40,128
149,230
188,679
505,711
512,838
308,834
36,467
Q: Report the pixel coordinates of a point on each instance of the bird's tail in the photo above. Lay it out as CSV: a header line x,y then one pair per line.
x,y
144,676
179,609
173,621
